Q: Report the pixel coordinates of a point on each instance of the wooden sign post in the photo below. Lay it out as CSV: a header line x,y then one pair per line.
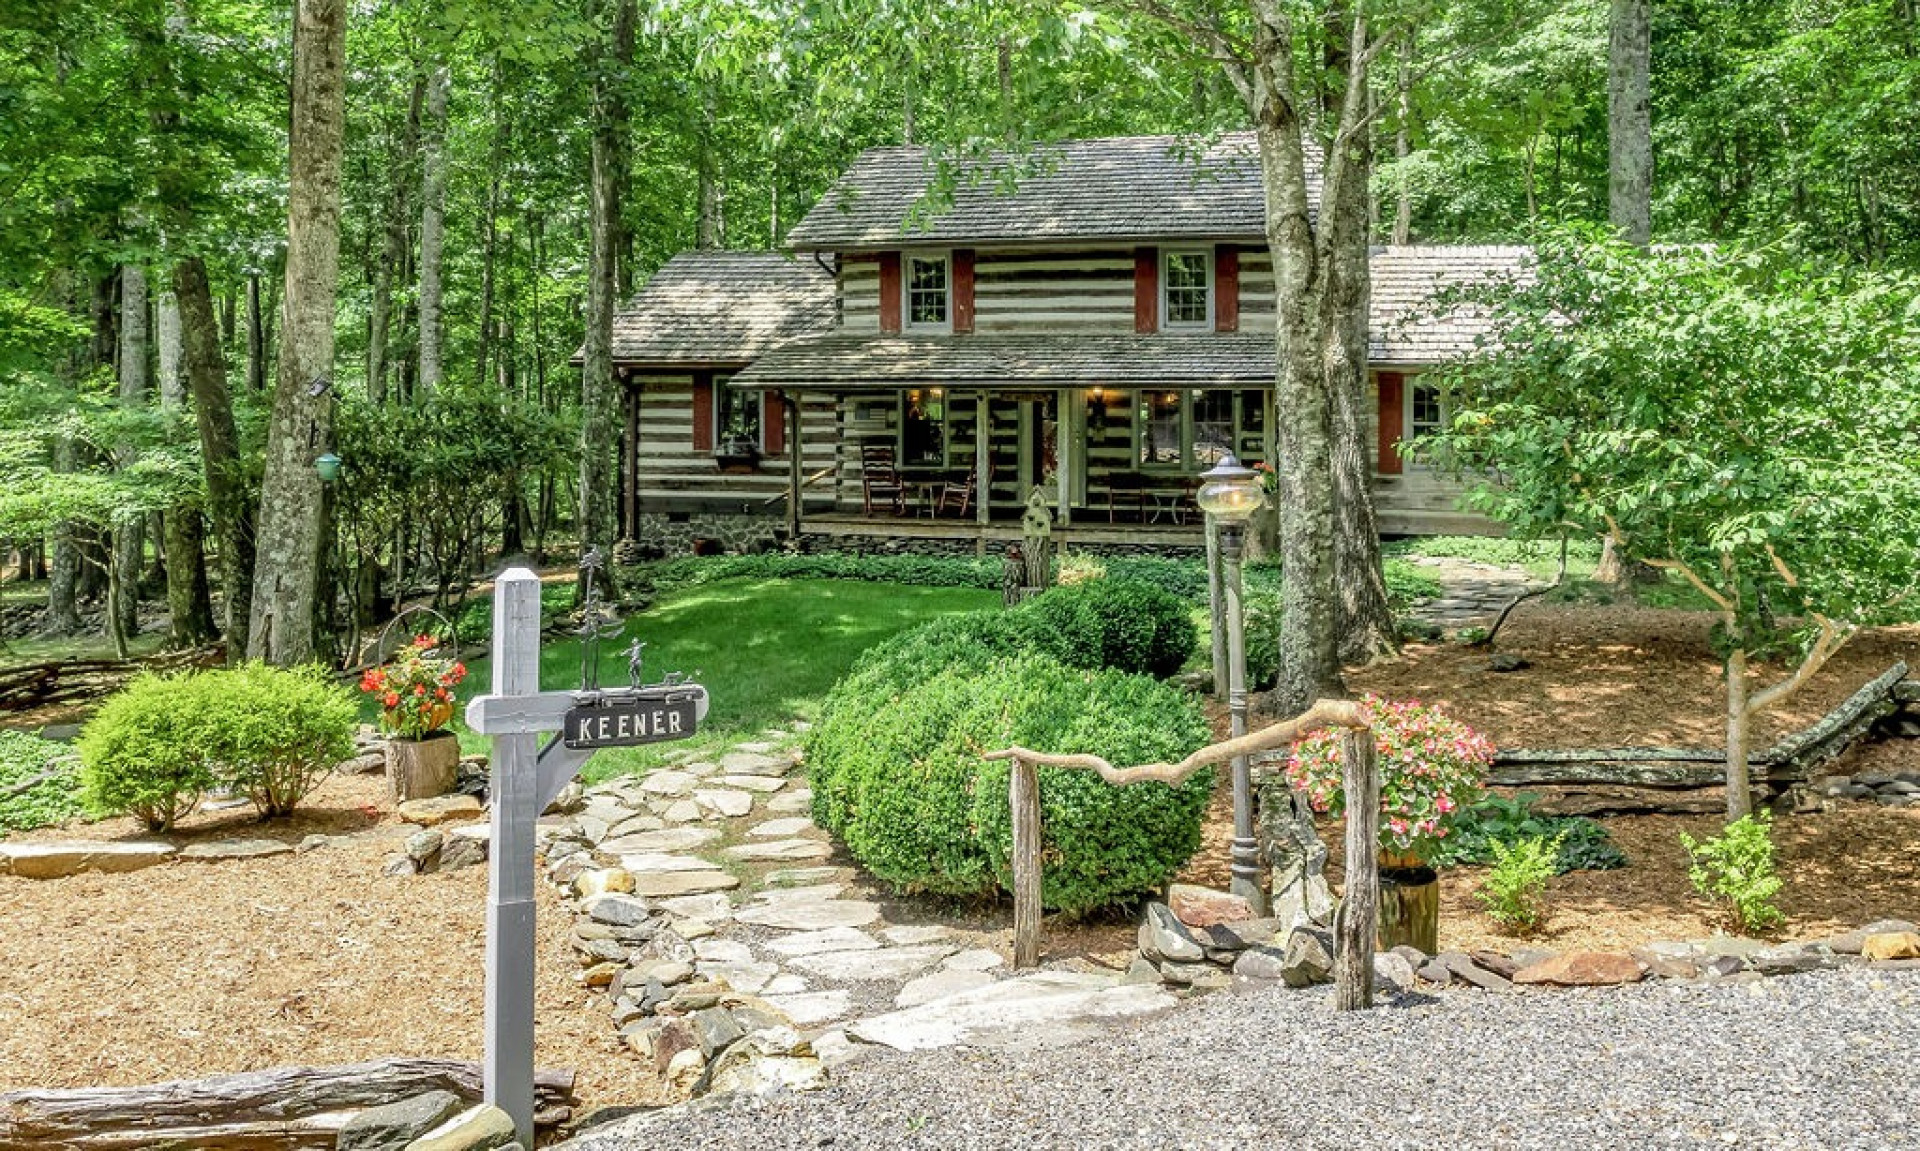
x,y
522,782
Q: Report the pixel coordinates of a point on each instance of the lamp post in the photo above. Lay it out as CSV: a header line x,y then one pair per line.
x,y
1229,495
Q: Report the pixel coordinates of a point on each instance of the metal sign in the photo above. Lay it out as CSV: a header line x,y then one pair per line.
x,y
622,719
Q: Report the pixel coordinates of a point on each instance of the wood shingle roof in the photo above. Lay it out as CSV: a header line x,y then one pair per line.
x,y
1119,188
722,308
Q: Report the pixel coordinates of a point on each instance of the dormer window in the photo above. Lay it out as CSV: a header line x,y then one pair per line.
x,y
1186,290
928,284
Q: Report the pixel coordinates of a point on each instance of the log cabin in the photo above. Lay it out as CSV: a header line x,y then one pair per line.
x,y
936,345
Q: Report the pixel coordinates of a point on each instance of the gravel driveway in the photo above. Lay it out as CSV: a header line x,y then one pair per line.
x,y
1824,1060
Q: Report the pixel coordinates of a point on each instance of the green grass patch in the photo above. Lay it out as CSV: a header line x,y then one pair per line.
x,y
55,799
766,649
1540,558
24,652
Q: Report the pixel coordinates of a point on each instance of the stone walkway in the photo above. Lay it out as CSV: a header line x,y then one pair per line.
x,y
736,954
1472,594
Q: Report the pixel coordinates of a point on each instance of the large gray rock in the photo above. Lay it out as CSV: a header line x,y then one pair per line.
x,y
1163,937
668,884
394,1126
1034,1010
1392,972
864,966
782,849
56,859
1308,958
939,985
809,914
1261,963
221,850
820,942
482,1128
1467,971
664,840
753,763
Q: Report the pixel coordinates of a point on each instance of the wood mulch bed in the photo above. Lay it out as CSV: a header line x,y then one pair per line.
x,y
190,969
1625,675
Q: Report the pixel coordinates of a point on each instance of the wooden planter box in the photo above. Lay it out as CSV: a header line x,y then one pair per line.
x,y
423,768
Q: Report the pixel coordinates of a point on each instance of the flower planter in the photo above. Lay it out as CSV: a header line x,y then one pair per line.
x,y
423,768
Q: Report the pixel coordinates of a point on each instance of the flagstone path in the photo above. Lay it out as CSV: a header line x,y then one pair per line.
x,y
1472,594
745,896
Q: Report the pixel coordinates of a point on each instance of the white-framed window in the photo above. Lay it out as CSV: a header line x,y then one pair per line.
x,y
927,284
1186,289
1426,412
736,417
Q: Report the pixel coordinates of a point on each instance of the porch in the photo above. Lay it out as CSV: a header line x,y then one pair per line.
x,y
851,527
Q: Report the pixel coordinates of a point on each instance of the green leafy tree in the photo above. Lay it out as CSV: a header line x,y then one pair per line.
x,y
1745,419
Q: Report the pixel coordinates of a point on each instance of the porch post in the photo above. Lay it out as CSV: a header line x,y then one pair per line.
x,y
1063,447
981,473
630,476
793,467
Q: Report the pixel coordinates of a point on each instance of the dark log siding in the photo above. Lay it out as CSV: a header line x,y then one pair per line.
x,y
676,475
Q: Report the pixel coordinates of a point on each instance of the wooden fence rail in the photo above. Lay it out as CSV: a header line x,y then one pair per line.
x,y
1356,924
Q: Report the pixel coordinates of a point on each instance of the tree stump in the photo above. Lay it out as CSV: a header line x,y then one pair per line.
x,y
1410,908
423,768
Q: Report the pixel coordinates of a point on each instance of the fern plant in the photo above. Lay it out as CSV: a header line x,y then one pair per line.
x,y
1515,890
1736,870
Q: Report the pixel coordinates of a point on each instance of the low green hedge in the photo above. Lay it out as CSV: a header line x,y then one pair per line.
x,y
1111,623
266,733
900,777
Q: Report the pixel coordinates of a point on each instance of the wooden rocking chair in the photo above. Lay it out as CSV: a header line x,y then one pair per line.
x,y
880,479
958,497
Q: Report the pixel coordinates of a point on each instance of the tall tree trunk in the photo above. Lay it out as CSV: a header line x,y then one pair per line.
x,y
599,400
1365,621
281,628
1402,145
433,215
1739,786
167,337
393,254
710,229
1629,170
1630,121
227,505
129,532
490,227
256,337
63,568
1309,651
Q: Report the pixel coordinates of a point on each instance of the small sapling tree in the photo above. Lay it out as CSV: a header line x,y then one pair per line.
x,y
1745,420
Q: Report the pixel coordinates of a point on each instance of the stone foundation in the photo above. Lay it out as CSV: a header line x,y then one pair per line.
x,y
668,535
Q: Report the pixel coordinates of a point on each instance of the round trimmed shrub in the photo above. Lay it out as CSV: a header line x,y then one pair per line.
x,y
267,733
915,802
1118,624
140,753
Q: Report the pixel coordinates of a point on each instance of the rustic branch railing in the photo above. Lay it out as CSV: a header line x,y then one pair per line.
x,y
1356,923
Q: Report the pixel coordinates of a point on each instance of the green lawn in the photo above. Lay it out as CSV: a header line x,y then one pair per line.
x,y
766,649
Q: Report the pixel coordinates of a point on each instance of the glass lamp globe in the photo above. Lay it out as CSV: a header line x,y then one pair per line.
x,y
1231,493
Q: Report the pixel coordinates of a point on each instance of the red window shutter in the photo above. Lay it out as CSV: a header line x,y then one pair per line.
x,y
773,423
1392,390
889,291
703,413
963,289
1146,290
1226,288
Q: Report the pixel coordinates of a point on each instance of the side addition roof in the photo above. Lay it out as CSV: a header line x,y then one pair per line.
x,y
1118,188
1406,278
722,309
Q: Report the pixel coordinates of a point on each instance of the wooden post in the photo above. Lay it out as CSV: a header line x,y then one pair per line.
x,y
508,1057
1356,923
983,490
1025,795
793,467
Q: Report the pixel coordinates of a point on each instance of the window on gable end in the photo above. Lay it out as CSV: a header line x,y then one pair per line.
x,y
928,284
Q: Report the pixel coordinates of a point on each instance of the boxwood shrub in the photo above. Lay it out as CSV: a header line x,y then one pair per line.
x,y
266,733
899,775
1110,623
